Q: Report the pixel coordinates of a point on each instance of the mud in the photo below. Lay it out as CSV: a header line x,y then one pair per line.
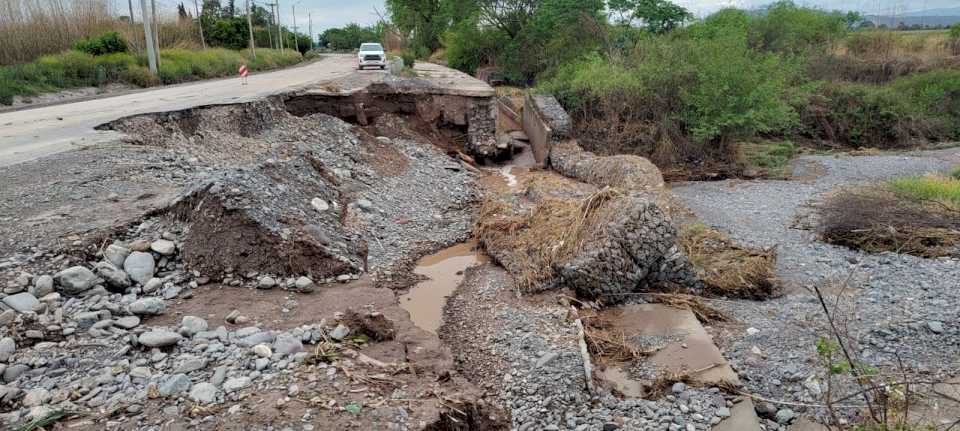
x,y
444,271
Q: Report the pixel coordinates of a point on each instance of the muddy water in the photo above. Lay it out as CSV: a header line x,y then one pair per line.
x,y
518,165
444,271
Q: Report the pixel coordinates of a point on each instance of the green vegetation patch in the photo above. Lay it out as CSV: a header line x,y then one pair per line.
x,y
770,157
934,188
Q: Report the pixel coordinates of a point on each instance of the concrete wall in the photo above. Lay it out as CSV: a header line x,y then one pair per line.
x,y
546,123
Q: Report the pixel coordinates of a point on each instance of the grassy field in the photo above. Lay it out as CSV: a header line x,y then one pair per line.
x,y
931,188
72,69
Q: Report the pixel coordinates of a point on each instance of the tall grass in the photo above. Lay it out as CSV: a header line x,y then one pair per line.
x,y
76,69
30,29
937,188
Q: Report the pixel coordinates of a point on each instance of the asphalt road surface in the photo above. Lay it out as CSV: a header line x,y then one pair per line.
x,y
32,133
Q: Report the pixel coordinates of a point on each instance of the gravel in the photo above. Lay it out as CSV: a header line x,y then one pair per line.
x,y
891,300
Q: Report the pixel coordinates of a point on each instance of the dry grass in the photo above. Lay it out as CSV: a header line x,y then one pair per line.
x,y
877,219
880,56
608,344
33,28
728,269
531,243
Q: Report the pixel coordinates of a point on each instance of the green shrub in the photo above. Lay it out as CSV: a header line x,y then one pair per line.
x,y
772,157
955,31
935,97
859,115
787,27
107,43
469,46
408,57
955,174
139,76
936,188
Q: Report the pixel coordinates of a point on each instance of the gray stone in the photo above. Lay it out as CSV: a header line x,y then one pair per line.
x,y
262,350
190,364
87,319
174,385
36,397
723,412
7,317
935,326
13,372
258,338
304,284
159,338
152,285
784,416
42,286
163,247
320,204
286,344
128,322
22,302
116,255
148,306
219,375
141,372
7,348
170,292
113,276
365,205
75,279
340,332
235,384
232,316
547,358
266,283
679,387
140,266
191,325
204,393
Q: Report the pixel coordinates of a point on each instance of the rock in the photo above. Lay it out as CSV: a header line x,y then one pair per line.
x,y
170,292
7,348
113,276
163,247
191,325
304,284
723,412
174,385
75,279
190,364
141,245
148,306
784,416
140,266
320,204
36,397
935,326
679,387
235,384
204,393
127,322
262,350
266,283
152,285
232,316
13,372
141,373
287,344
752,331
365,205
340,332
22,302
159,338
7,317
547,358
42,286
116,255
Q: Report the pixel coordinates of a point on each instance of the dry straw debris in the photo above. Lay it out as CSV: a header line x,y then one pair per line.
x,y
729,269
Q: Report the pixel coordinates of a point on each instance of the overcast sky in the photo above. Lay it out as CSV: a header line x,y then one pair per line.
x,y
337,13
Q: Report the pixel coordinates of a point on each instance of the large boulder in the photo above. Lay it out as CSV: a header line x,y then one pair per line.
x,y
75,280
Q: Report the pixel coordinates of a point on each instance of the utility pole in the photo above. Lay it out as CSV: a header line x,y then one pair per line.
x,y
270,25
279,24
293,9
148,34
200,24
156,30
310,28
133,24
253,51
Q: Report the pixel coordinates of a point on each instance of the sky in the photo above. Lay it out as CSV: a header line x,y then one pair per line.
x,y
337,13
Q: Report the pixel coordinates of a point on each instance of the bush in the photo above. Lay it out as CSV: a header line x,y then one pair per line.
x,y
468,46
859,115
408,57
789,28
935,98
107,43
942,189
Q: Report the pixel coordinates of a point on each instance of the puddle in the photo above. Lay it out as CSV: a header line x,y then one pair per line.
x,y
622,382
444,269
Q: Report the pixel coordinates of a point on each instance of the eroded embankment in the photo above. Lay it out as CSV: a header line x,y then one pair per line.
x,y
162,331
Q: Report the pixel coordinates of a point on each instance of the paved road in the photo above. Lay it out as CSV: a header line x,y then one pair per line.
x,y
33,133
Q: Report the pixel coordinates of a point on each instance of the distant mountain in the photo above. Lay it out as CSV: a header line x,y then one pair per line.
x,y
951,12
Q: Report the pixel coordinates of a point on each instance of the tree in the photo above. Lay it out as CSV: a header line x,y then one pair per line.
x,y
260,16
182,14
853,19
231,10
211,9
350,36
658,16
420,20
